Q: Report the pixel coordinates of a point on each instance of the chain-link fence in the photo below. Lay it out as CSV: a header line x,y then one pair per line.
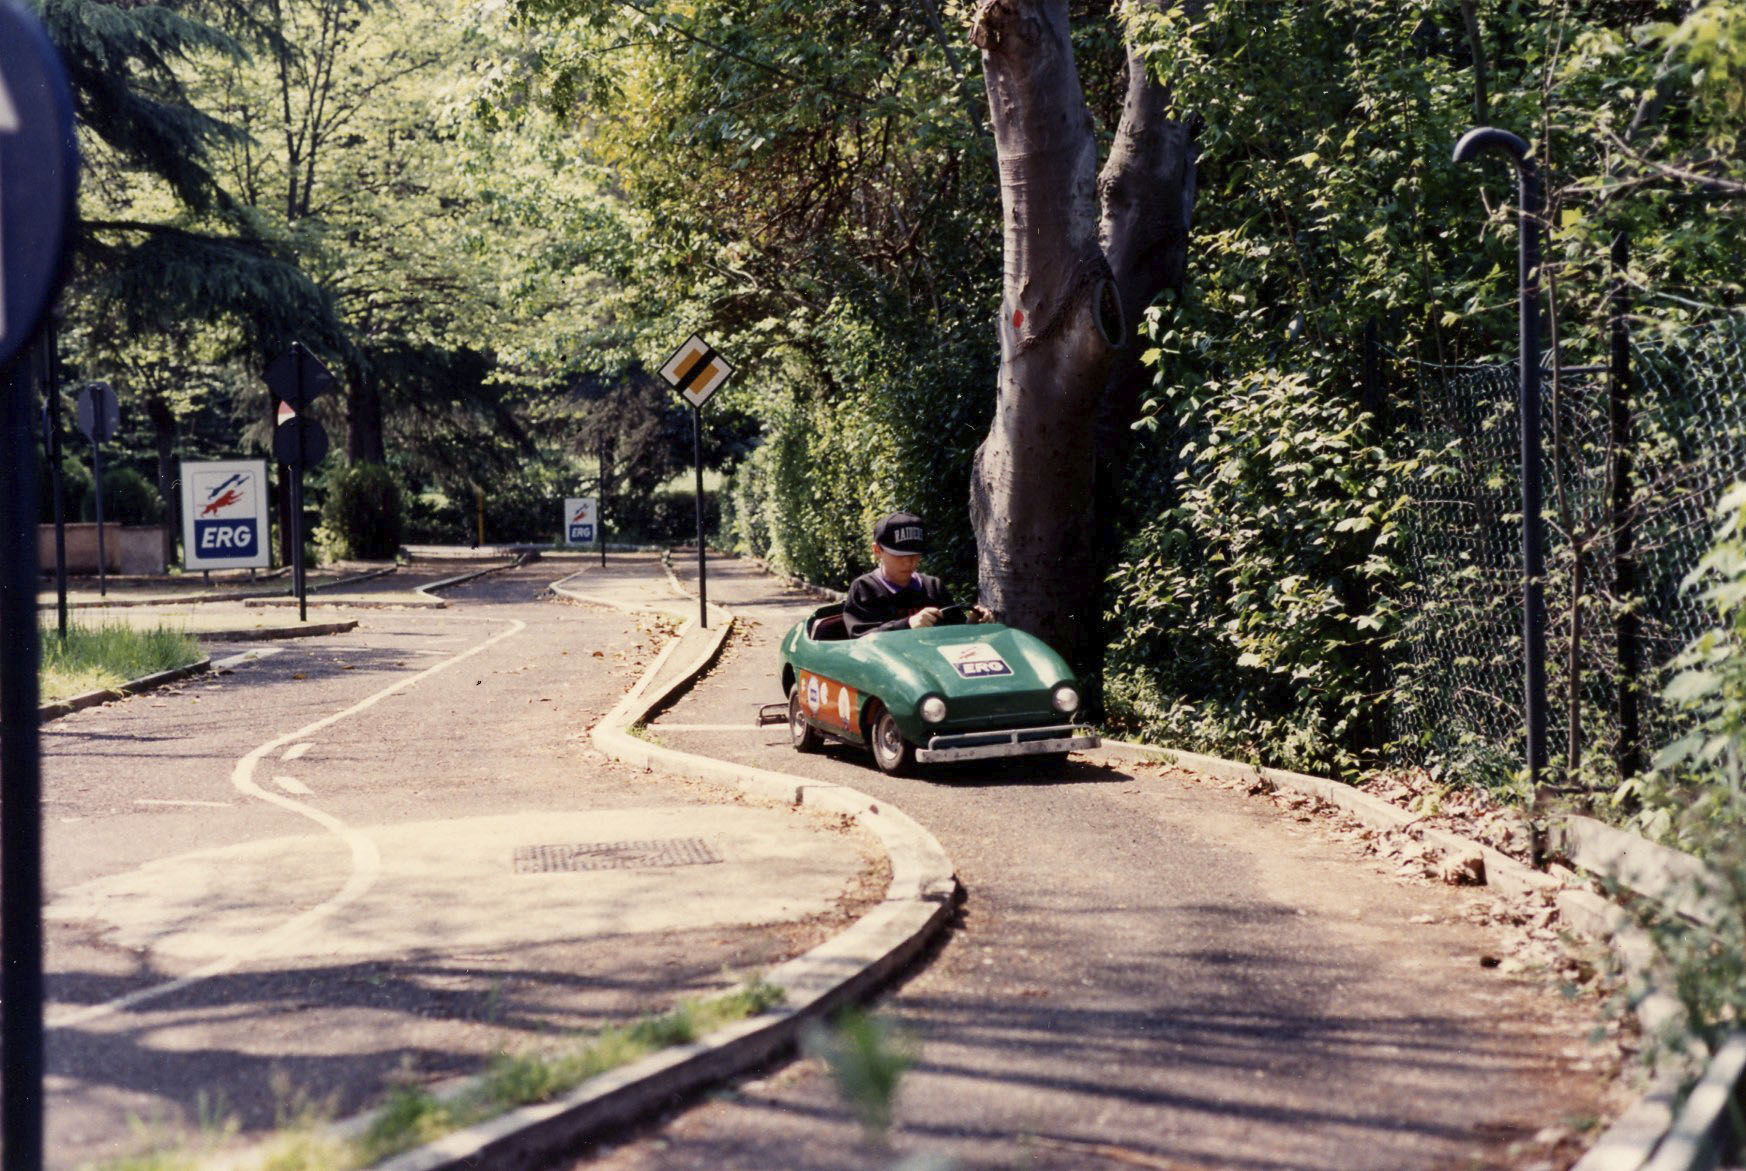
x,y
1638,448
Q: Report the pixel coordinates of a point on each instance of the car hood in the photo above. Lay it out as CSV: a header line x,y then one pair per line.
x,y
962,660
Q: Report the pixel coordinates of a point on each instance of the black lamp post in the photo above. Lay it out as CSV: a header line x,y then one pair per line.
x,y
1533,538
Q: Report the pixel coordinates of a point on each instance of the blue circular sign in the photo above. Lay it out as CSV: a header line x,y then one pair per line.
x,y
39,169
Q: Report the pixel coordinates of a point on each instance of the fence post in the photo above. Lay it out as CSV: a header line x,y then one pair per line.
x,y
1630,749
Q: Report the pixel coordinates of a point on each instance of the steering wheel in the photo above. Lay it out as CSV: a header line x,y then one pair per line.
x,y
953,616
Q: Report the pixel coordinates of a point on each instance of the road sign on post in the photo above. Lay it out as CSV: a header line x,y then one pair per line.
x,y
99,416
39,166
224,514
696,371
581,520
297,378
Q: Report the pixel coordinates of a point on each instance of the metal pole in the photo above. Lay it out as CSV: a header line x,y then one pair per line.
x,y
1533,541
297,496
1624,535
57,489
97,474
600,506
697,459
21,981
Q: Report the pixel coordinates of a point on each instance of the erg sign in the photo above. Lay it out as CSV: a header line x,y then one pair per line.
x,y
224,515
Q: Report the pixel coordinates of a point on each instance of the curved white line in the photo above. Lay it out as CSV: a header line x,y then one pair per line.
x,y
366,861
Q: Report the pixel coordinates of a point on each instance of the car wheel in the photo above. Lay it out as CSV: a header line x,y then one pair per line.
x,y
801,734
891,752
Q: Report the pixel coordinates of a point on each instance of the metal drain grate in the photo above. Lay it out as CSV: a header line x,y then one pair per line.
x,y
614,856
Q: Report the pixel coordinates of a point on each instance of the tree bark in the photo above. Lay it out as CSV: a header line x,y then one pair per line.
x,y
1075,284
364,442
164,436
1060,322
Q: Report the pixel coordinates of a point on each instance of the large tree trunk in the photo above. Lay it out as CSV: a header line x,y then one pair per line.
x,y
164,433
364,442
1067,311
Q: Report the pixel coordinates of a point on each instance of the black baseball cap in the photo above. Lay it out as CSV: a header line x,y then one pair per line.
x,y
901,532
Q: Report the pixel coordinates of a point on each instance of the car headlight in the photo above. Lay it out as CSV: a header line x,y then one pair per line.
x,y
1066,699
932,709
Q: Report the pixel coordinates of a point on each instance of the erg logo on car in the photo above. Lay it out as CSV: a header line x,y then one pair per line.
x,y
975,661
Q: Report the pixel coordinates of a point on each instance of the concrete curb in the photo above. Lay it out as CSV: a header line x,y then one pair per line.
x,y
267,633
840,971
215,596
66,707
1638,1139
444,583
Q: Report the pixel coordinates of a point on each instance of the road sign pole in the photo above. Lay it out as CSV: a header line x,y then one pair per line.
x,y
21,982
102,558
297,501
52,405
702,573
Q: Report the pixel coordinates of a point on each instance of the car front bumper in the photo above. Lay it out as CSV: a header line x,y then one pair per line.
x,y
1013,742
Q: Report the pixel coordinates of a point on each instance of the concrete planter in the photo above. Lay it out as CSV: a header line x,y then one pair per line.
x,y
128,548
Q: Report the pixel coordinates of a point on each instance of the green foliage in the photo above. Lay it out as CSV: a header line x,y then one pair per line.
x,y
107,656
663,518
362,515
867,1060
1256,615
128,499
75,486
1264,611
1696,797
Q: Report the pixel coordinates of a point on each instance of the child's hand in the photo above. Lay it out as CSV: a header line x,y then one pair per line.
x,y
923,618
981,614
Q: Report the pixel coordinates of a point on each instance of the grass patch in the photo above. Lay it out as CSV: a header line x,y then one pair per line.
x,y
95,657
411,1117
414,1117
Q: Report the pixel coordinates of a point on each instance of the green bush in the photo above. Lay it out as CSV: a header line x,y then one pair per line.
x,y
1255,617
1695,799
128,499
663,518
75,487
363,515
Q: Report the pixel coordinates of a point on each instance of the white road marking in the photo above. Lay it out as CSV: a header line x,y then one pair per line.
x,y
166,801
293,785
231,661
296,750
366,862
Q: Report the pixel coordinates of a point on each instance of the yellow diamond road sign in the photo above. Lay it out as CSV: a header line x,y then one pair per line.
x,y
696,370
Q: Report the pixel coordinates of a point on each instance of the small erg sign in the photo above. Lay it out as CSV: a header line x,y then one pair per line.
x,y
224,514
580,519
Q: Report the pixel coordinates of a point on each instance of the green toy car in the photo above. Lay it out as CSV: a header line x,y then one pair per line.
x,y
944,693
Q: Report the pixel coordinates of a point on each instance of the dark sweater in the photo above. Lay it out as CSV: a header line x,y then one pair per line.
x,y
872,605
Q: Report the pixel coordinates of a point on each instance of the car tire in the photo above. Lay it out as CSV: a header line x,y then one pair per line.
x,y
801,734
894,755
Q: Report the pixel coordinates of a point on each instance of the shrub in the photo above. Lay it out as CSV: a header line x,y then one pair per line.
x,y
666,517
1696,798
1255,616
128,499
363,515
75,487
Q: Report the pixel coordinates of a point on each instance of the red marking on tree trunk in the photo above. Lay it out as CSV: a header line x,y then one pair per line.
x,y
1018,318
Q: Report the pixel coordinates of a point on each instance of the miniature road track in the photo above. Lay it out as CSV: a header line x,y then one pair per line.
x,y
302,881
1150,970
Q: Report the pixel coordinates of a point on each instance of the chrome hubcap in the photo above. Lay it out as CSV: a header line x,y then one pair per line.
x,y
888,738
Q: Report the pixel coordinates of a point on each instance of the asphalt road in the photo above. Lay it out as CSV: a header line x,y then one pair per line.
x,y
1153,970
287,886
